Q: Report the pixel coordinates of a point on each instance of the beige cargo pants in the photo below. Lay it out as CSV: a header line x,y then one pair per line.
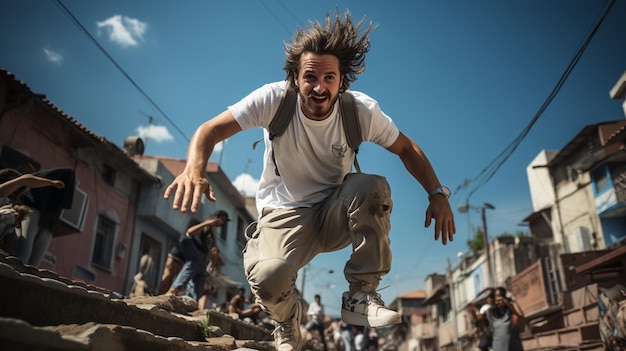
x,y
284,240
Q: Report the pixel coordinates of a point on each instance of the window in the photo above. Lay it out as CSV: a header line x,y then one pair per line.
x,y
108,174
445,310
223,231
103,243
618,179
75,216
241,231
599,179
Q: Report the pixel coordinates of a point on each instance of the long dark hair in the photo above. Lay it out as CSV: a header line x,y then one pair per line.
x,y
499,310
340,38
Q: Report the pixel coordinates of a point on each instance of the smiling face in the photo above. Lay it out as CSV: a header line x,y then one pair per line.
x,y
318,83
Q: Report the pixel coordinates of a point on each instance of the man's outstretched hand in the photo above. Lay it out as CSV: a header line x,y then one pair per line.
x,y
188,191
439,210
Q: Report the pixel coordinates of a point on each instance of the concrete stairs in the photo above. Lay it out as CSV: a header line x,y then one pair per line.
x,y
41,311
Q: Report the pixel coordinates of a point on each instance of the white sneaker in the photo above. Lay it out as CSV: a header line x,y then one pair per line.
x,y
368,310
287,334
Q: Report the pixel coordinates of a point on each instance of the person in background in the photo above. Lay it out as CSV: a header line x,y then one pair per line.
x,y
237,306
11,181
45,204
347,336
414,344
308,198
196,246
360,341
334,329
483,329
213,270
316,319
372,339
237,303
140,286
11,214
502,316
173,264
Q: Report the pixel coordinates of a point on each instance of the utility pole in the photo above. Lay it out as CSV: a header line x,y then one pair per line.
x,y
487,247
464,209
452,294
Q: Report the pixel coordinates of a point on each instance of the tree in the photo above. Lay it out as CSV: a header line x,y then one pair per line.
x,y
476,242
509,235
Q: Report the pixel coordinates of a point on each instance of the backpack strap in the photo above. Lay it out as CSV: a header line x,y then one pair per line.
x,y
349,118
351,125
285,112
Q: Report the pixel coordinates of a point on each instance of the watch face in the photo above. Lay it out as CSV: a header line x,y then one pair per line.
x,y
443,190
446,191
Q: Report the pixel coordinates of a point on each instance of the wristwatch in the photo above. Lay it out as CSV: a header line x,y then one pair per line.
x,y
442,190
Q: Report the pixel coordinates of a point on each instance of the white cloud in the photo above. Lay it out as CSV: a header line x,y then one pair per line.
x,y
246,184
219,146
123,30
154,133
53,56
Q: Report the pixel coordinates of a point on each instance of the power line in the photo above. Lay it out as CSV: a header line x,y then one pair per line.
x,y
488,172
289,11
75,20
275,17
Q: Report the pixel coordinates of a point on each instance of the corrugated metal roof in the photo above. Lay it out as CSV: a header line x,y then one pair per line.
x,y
578,141
618,136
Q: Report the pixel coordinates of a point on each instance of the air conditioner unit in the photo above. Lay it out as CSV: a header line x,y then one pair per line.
x,y
75,216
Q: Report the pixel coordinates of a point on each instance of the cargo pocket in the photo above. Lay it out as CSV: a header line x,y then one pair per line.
x,y
250,231
250,248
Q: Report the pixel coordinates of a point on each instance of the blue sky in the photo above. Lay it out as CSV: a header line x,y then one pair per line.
x,y
462,78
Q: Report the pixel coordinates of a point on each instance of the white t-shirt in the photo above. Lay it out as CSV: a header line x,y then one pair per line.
x,y
359,342
316,312
312,156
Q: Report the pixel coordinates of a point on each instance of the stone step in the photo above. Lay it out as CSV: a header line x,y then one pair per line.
x,y
18,335
39,308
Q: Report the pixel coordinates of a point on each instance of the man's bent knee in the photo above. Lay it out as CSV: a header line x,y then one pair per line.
x,y
368,185
368,181
272,280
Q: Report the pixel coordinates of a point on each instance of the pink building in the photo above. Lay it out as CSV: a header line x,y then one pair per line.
x,y
92,238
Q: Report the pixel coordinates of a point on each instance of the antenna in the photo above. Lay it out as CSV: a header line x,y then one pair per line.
x,y
150,119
